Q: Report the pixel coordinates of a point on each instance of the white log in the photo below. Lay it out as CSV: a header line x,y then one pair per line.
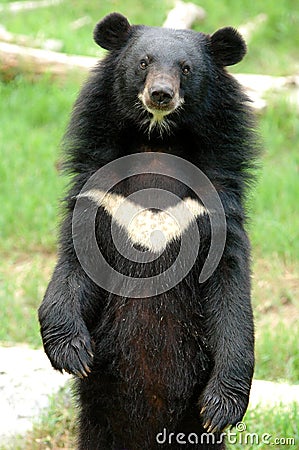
x,y
268,394
257,87
184,15
265,83
41,61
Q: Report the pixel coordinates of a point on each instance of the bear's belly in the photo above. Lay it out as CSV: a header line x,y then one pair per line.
x,y
156,365
156,346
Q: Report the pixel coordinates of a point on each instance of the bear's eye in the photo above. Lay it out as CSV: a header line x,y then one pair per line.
x,y
143,64
186,69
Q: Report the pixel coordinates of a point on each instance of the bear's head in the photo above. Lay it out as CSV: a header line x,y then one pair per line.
x,y
159,71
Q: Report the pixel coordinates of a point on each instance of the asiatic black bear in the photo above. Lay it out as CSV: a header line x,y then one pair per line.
x,y
156,370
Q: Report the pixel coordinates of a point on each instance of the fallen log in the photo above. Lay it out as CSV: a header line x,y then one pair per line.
x,y
257,87
37,61
265,83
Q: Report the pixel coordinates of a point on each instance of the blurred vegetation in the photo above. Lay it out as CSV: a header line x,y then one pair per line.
x,y
273,48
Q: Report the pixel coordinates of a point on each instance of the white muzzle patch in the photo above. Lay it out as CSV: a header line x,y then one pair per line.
x,y
159,116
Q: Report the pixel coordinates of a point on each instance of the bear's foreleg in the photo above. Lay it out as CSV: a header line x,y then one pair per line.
x,y
64,332
230,334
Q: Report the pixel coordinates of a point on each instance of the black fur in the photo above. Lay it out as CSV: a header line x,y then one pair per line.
x,y
184,358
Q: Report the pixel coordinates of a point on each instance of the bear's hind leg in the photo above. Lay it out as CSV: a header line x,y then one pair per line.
x,y
94,434
195,436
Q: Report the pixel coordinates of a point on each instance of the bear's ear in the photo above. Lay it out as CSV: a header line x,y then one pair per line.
x,y
112,32
228,46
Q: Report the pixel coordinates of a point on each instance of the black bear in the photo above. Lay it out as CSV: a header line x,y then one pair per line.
x,y
157,363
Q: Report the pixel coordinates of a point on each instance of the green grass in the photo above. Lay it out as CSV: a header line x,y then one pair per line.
x,y
277,353
56,22
274,213
267,429
23,279
33,118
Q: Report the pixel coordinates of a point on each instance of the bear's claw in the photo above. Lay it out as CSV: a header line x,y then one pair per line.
x,y
220,408
72,355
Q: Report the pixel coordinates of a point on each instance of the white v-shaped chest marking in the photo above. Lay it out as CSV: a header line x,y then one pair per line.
x,y
153,230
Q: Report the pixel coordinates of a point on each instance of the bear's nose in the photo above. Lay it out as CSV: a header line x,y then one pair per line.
x,y
161,95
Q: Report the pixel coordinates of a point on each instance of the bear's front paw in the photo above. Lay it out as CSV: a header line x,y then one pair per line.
x,y
222,404
69,352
